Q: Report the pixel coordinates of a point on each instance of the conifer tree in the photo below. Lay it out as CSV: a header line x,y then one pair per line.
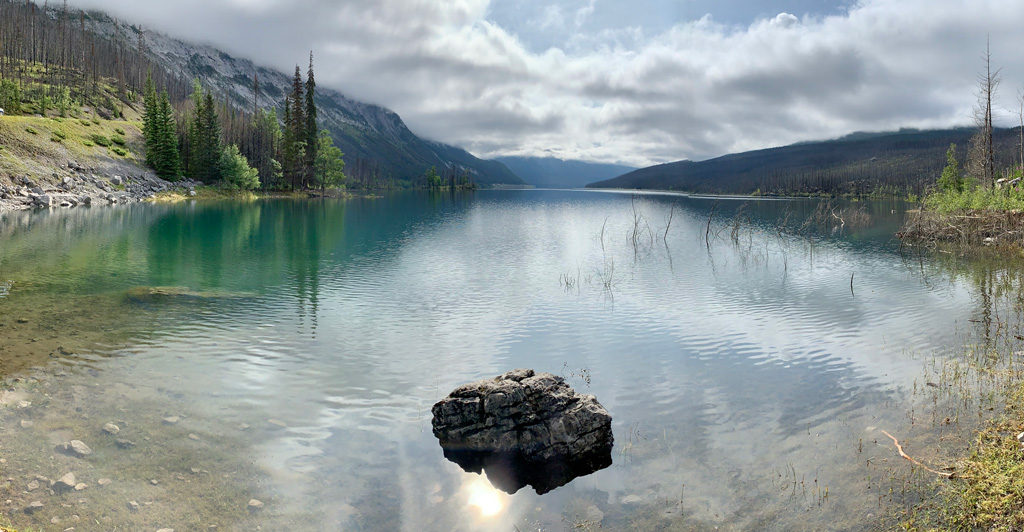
x,y
164,153
150,107
297,129
311,131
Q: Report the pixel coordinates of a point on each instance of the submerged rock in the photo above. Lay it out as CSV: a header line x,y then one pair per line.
x,y
66,483
76,448
524,428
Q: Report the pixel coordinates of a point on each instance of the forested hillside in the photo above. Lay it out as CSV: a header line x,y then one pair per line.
x,y
903,162
379,150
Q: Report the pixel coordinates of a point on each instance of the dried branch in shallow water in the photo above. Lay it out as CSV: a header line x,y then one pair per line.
x,y
899,448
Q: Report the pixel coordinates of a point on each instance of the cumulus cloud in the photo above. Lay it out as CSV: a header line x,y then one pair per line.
x,y
633,94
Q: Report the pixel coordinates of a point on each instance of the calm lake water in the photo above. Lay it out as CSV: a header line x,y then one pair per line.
x,y
290,351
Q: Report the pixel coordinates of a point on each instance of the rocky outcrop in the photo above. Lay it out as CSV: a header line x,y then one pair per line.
x,y
524,428
75,185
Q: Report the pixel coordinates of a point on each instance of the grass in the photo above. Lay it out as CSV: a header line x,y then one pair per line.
x,y
987,492
975,199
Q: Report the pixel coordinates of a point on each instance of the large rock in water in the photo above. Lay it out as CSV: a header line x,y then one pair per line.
x,y
524,428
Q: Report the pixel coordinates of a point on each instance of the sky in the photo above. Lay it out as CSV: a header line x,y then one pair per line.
x,y
627,81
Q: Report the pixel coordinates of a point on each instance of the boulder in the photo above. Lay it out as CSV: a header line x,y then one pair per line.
x,y
524,428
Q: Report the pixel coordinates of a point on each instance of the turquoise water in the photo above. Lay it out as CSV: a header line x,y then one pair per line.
x,y
302,344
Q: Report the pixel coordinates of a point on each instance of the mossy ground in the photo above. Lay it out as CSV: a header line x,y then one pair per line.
x,y
987,490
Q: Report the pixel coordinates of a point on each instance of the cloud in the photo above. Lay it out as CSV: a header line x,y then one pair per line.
x,y
633,94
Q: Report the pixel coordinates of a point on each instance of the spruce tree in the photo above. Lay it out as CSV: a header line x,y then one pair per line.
x,y
206,143
166,161
151,103
311,132
297,127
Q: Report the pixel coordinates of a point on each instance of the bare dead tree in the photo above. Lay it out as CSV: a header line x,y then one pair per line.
x,y
982,159
1020,115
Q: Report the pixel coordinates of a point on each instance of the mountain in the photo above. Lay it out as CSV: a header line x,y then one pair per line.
x,y
375,140
556,173
905,161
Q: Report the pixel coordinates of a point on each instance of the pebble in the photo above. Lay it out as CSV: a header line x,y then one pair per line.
x,y
165,530
81,486
277,422
26,424
103,481
133,506
125,444
111,428
255,504
171,420
154,481
33,507
193,437
32,485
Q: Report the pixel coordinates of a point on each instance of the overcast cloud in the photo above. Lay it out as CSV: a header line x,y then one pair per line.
x,y
625,81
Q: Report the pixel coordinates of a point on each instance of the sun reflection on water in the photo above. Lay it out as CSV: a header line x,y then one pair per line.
x,y
485,498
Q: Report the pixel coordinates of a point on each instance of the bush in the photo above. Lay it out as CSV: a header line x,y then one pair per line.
x,y
87,143
31,131
85,123
55,138
119,131
60,134
118,139
100,140
236,170
120,151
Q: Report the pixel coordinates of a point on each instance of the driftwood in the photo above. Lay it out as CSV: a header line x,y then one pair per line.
x,y
899,448
967,229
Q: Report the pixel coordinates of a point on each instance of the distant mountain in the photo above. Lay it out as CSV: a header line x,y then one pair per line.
x,y
905,161
375,139
555,173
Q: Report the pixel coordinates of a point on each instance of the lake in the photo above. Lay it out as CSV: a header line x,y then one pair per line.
x,y
750,352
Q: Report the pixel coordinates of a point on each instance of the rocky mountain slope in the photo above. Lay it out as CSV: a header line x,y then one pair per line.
x,y
375,139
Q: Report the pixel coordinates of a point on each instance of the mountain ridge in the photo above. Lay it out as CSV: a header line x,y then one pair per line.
x,y
907,161
376,141
553,172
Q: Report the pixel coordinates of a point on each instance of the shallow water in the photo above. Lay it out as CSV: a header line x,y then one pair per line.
x,y
301,344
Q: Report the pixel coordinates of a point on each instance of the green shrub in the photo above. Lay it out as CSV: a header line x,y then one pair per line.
x,y
236,170
120,151
55,138
100,140
85,123
60,134
119,131
87,143
31,131
118,139
95,120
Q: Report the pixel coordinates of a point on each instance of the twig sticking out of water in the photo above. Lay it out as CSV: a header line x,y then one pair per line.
x,y
707,233
671,213
899,448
